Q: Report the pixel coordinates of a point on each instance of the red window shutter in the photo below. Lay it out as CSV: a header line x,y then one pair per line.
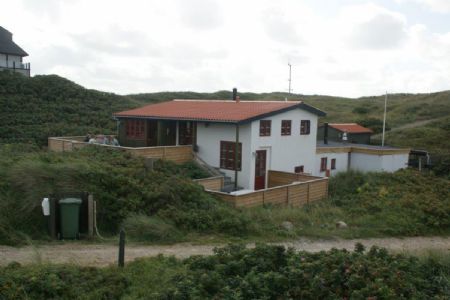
x,y
264,127
286,127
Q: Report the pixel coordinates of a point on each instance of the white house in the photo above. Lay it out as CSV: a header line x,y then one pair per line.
x,y
246,139
269,135
11,55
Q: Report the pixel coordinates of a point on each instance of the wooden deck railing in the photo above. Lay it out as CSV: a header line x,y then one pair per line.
x,y
178,154
211,183
295,194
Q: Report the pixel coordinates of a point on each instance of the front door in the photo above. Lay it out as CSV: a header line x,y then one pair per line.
x,y
260,169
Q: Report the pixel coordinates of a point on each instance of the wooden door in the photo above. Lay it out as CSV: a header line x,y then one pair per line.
x,y
260,169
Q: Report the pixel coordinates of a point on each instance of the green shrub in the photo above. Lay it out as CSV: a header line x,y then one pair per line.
x,y
60,282
150,229
271,272
122,188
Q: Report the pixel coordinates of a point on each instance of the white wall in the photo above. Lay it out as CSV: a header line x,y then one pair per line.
x,y
362,162
392,163
208,140
341,163
366,162
11,59
284,153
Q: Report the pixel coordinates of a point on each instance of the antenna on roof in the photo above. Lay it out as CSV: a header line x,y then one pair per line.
x,y
290,77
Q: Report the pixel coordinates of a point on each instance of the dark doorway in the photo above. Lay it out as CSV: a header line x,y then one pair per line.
x,y
260,169
167,133
152,133
187,131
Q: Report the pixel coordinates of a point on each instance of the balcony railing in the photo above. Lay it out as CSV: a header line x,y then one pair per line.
x,y
15,65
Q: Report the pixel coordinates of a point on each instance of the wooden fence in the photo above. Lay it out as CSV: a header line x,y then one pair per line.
x,y
294,194
178,154
211,183
278,178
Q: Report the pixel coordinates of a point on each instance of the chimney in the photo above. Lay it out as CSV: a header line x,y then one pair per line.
x,y
234,93
325,133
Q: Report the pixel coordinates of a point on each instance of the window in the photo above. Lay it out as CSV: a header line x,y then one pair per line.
x,y
299,169
323,164
333,164
305,126
135,129
264,127
228,155
286,127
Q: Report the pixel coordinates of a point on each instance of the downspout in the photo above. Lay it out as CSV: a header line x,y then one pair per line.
x,y
236,158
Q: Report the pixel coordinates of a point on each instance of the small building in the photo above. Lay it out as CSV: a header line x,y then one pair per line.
x,y
11,55
334,157
242,139
354,133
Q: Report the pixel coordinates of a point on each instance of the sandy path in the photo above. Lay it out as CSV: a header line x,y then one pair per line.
x,y
102,254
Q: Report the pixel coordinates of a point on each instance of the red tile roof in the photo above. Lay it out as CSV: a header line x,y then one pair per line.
x,y
214,110
350,128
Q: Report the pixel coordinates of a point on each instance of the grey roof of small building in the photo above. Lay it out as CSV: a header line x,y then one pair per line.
x,y
7,45
332,144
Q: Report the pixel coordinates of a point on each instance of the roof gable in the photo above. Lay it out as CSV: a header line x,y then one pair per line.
x,y
7,45
225,111
350,128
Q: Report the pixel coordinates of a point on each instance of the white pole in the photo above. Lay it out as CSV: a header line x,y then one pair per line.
x,y
290,78
384,120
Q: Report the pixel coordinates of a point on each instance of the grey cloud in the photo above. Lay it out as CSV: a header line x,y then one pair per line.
x,y
200,14
186,56
294,57
383,31
345,75
118,41
46,8
281,30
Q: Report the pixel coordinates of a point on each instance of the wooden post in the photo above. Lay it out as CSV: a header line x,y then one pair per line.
x,y
53,230
307,194
122,248
236,149
91,215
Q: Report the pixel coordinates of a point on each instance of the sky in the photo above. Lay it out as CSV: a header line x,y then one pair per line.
x,y
336,47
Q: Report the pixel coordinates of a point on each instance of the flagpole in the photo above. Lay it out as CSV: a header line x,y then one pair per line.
x,y
384,120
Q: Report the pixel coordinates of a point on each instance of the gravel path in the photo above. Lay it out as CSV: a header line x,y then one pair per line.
x,y
103,254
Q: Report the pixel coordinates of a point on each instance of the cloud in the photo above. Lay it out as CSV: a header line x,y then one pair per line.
x,y
200,14
373,27
117,41
280,28
344,49
438,6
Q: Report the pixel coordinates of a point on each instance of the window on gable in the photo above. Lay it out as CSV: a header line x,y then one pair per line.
x,y
305,127
323,164
135,129
286,127
333,164
228,155
299,169
264,127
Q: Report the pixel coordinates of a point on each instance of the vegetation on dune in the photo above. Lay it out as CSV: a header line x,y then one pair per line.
x,y
123,188
48,105
434,137
405,203
233,272
163,205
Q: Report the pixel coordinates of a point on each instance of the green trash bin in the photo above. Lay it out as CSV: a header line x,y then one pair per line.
x,y
69,209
